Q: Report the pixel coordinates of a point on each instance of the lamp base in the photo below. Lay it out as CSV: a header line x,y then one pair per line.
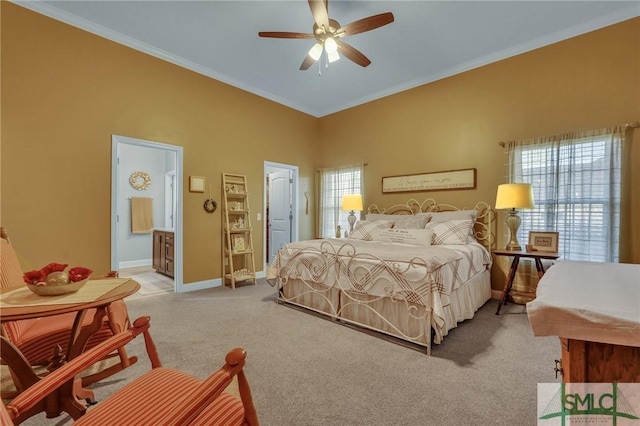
x,y
352,221
513,223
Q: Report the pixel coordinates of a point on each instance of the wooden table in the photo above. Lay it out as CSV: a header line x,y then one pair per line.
x,y
517,254
66,398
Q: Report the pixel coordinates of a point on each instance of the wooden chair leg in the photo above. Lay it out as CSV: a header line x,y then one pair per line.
x,y
124,359
247,400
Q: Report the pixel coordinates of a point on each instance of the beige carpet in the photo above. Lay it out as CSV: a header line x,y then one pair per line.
x,y
305,370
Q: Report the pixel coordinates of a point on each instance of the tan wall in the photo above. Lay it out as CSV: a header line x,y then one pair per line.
x,y
66,91
586,82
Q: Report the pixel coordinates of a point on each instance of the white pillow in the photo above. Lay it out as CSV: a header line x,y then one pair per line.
x,y
403,221
365,230
417,221
451,232
454,215
418,237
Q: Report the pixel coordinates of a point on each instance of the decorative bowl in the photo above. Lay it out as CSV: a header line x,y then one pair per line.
x,y
57,290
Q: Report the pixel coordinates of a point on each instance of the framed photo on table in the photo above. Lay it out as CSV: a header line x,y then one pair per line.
x,y
543,241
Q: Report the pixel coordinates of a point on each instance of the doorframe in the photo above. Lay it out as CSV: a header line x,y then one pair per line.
x,y
116,141
269,167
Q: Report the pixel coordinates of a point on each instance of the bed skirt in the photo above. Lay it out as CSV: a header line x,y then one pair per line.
x,y
397,318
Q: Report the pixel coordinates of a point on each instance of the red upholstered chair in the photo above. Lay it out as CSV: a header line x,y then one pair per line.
x,y
36,339
161,397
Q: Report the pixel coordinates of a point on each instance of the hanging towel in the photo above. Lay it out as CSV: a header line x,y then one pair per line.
x,y
141,215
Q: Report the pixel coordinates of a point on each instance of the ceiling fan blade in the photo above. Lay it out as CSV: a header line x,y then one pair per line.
x,y
306,64
366,24
352,54
320,14
281,34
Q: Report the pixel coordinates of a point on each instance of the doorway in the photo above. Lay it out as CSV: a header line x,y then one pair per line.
x,y
280,208
161,164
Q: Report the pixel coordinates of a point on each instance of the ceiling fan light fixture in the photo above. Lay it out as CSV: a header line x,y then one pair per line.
x,y
316,51
330,45
333,56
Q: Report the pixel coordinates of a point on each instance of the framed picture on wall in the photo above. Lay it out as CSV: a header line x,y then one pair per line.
x,y
543,241
196,184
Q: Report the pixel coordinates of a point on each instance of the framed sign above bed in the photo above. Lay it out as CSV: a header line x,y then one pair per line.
x,y
434,181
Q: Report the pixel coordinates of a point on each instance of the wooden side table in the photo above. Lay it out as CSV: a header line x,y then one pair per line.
x,y
517,254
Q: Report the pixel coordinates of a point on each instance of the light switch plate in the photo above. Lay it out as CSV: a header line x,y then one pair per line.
x,y
259,216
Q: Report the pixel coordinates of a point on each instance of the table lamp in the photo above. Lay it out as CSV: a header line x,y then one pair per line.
x,y
352,202
514,196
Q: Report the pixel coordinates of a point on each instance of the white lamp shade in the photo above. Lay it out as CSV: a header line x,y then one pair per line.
x,y
316,51
352,202
514,196
333,56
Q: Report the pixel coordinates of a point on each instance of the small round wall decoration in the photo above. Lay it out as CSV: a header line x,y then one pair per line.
x,y
210,205
140,180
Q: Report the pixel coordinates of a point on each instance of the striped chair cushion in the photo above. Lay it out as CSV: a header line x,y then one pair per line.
x,y
10,270
145,401
226,410
39,338
11,276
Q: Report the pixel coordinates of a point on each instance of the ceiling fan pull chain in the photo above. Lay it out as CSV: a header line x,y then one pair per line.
x,y
320,67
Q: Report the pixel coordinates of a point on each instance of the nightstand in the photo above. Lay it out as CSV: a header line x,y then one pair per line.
x,y
517,254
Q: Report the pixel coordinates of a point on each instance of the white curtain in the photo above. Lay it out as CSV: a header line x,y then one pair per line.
x,y
333,184
576,179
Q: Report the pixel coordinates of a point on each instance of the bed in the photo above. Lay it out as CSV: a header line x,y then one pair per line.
x,y
411,271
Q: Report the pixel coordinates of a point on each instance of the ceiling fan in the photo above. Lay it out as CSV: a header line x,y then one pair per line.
x,y
328,34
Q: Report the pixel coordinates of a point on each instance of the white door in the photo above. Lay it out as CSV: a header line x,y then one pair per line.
x,y
280,211
169,200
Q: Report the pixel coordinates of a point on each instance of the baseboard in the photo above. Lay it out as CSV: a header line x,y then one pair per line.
x,y
135,263
200,285
217,282
495,294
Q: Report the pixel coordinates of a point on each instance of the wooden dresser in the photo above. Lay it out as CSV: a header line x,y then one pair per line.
x,y
595,362
594,309
163,252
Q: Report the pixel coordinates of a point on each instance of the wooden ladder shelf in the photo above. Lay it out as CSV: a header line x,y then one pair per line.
x,y
238,263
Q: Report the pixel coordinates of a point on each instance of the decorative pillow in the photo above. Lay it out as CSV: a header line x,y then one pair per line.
x,y
417,221
365,230
403,221
418,237
454,215
451,232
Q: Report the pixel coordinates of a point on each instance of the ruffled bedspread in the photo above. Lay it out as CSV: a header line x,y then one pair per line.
x,y
423,275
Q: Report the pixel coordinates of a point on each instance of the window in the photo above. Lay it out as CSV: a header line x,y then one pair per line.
x,y
334,183
576,182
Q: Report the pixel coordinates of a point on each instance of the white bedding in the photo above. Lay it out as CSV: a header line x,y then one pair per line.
x,y
425,275
598,302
